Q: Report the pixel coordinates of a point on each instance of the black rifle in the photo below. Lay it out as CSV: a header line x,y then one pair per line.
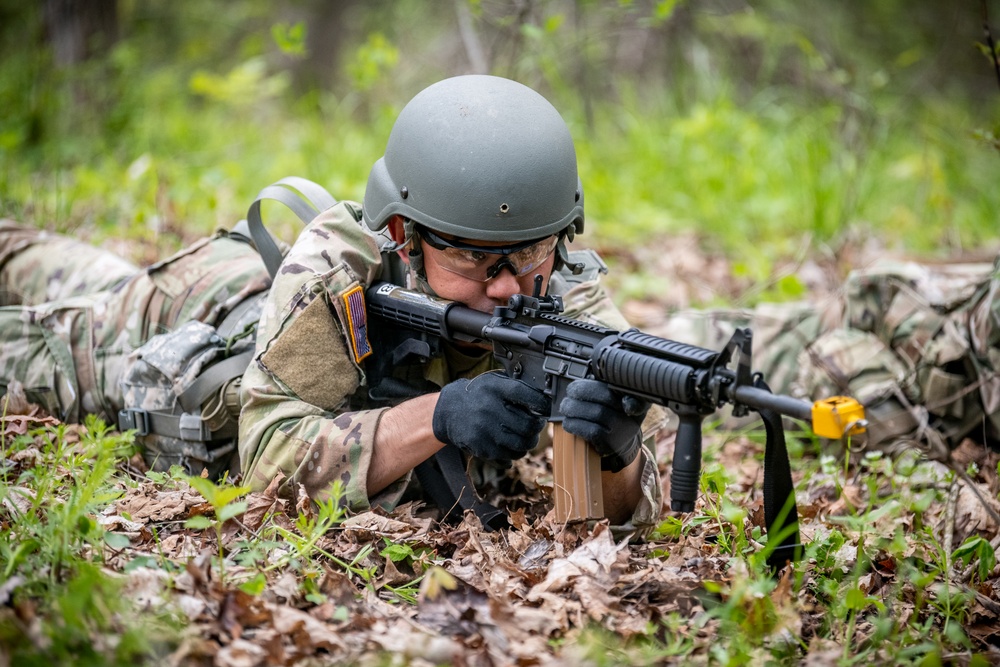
x,y
533,342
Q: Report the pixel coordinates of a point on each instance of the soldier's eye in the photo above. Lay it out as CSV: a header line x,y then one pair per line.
x,y
478,255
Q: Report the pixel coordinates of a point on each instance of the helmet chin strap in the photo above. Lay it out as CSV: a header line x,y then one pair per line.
x,y
562,259
417,274
417,277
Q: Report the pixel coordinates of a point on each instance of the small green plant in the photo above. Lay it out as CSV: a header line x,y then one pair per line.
x,y
416,558
979,550
728,517
223,499
52,550
310,528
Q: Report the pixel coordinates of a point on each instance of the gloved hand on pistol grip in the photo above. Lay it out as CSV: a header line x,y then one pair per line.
x,y
610,422
491,417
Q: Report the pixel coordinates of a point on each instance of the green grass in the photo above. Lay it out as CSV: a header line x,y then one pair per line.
x,y
165,154
63,606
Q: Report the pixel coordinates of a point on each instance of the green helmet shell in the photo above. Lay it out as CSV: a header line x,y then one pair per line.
x,y
479,157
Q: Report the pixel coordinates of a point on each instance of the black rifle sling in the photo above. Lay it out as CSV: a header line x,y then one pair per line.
x,y
780,511
444,479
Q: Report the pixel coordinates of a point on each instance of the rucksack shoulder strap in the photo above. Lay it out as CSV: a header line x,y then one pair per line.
x,y
304,197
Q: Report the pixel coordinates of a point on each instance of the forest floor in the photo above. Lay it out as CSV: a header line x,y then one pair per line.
x,y
899,565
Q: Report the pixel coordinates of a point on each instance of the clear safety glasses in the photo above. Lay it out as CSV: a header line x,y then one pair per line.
x,y
480,263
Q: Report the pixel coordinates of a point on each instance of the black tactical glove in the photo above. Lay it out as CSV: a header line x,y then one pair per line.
x,y
491,416
610,422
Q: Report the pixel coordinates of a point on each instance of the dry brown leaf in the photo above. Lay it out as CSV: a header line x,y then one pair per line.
x,y
970,515
517,519
391,576
147,504
29,456
259,505
379,525
119,524
304,505
409,640
15,401
849,501
13,425
180,546
306,632
17,414
241,653
595,598
18,500
286,587
199,569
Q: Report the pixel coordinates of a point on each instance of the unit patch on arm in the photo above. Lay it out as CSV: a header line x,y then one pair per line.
x,y
357,324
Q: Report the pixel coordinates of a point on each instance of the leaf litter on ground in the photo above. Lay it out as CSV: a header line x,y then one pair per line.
x,y
312,584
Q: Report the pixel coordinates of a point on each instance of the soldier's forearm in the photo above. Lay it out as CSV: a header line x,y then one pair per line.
x,y
404,438
622,491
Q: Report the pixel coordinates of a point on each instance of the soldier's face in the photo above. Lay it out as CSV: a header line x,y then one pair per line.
x,y
482,296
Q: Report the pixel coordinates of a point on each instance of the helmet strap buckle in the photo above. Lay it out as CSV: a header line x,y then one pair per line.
x,y
562,259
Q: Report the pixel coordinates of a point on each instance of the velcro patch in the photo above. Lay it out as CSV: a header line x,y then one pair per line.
x,y
357,324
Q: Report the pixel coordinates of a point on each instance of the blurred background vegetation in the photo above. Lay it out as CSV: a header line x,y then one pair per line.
x,y
764,130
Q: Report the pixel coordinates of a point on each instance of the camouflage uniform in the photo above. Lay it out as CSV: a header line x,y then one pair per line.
x,y
918,345
72,313
308,407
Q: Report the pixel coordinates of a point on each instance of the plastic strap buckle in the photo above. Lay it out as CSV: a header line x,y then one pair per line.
x,y
133,419
191,427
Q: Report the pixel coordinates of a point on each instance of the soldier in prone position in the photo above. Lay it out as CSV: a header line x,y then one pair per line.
x,y
477,193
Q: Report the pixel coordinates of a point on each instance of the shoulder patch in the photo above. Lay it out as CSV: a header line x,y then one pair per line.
x,y
311,358
357,324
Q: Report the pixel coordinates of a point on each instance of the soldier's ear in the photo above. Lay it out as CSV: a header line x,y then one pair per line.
x,y
398,235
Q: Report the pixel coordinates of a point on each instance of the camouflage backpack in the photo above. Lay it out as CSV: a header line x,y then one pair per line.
x,y
181,388
919,346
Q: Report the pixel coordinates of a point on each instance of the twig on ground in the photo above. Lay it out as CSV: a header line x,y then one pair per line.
x,y
949,523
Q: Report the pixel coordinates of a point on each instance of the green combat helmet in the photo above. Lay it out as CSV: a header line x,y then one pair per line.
x,y
478,157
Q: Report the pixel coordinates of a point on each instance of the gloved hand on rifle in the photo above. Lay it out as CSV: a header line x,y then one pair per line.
x,y
491,417
610,422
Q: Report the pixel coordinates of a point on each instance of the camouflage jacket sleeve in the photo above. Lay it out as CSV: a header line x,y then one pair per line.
x,y
585,299
311,341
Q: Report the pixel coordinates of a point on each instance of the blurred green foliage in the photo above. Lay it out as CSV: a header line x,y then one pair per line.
x,y
765,127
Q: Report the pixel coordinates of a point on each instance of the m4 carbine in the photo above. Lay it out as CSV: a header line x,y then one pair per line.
x,y
533,342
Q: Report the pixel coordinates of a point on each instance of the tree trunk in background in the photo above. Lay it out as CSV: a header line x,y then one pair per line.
x,y
326,31
478,62
79,29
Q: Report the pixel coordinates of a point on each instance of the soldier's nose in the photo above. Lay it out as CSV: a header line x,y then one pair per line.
x,y
502,286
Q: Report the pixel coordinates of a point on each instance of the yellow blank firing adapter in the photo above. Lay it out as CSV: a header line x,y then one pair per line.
x,y
838,416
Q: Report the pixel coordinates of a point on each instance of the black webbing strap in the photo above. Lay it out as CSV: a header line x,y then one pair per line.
x,y
781,515
444,479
